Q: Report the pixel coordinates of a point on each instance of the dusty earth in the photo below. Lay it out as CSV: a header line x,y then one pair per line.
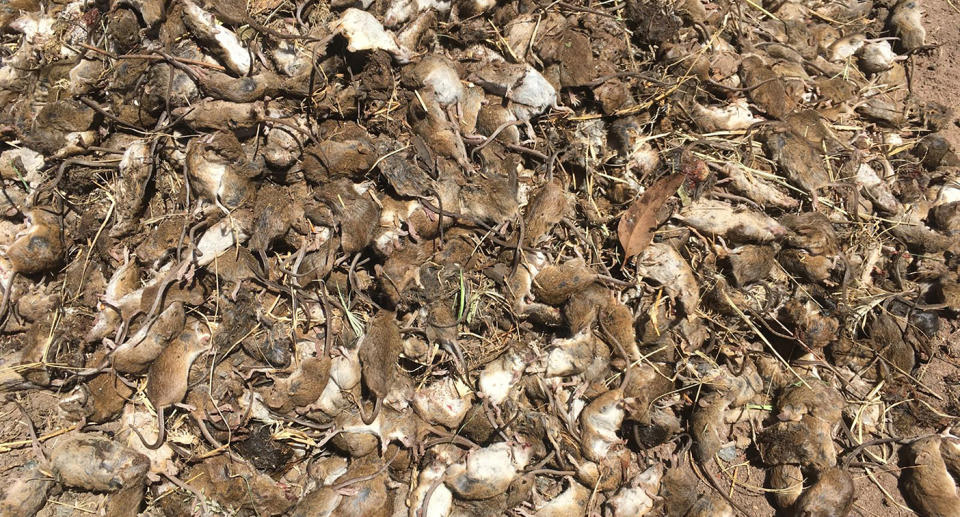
x,y
936,74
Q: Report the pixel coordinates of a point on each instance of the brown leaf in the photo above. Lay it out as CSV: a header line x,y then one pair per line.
x,y
638,222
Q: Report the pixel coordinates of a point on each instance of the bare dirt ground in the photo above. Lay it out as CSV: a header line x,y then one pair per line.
x,y
936,74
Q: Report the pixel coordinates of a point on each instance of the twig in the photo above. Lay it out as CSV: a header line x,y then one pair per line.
x,y
9,446
711,82
166,57
100,109
763,338
597,12
86,261
33,433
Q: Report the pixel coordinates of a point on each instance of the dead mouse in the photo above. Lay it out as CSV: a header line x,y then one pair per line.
x,y
832,495
235,13
40,248
326,499
927,484
169,374
907,22
378,354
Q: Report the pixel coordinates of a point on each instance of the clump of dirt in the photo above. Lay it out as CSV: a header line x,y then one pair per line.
x,y
444,258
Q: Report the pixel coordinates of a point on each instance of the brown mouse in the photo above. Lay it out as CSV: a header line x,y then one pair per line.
x,y
832,495
233,12
168,376
926,484
327,499
378,354
218,169
950,452
40,248
786,482
547,208
136,354
750,263
554,285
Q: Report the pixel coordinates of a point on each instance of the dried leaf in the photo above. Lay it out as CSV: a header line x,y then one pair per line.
x,y
638,222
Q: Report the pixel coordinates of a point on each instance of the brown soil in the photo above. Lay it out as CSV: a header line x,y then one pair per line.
x,y
936,73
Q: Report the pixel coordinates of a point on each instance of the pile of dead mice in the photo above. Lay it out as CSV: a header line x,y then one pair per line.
x,y
475,257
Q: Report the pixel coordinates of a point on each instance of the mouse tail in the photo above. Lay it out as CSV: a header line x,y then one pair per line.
x,y
161,434
368,419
